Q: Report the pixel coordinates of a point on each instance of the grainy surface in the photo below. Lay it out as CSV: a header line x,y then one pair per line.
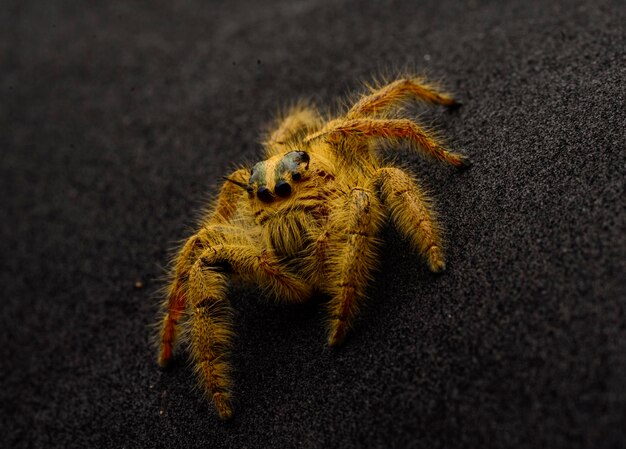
x,y
117,119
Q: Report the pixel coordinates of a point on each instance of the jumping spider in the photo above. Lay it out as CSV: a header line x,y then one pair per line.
x,y
304,220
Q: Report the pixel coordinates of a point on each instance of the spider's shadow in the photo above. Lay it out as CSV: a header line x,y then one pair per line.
x,y
259,319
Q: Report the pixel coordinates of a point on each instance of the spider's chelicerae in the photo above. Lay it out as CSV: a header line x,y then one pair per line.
x,y
305,220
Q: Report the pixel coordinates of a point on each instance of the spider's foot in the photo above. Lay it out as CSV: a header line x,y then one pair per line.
x,y
456,104
436,262
458,160
222,404
338,331
165,356
465,162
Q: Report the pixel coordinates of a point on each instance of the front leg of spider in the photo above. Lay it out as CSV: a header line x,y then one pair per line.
x,y
211,313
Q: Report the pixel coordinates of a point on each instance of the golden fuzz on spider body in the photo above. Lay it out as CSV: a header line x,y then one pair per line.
x,y
304,219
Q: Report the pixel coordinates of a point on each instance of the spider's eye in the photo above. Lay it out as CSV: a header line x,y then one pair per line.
x,y
265,195
304,157
296,176
282,189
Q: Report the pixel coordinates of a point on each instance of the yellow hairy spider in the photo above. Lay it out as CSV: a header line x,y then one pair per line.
x,y
304,220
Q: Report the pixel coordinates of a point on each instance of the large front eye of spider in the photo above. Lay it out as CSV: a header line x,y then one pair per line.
x,y
264,194
282,189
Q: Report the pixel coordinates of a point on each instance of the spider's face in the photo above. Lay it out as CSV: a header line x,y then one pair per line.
x,y
275,178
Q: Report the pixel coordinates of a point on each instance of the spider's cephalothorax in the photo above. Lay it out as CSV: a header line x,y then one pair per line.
x,y
304,220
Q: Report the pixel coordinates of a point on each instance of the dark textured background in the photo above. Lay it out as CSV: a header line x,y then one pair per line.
x,y
117,119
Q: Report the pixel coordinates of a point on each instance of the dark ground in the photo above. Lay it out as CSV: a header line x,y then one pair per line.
x,y
117,121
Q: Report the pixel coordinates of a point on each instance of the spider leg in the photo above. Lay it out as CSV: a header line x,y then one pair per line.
x,y
211,313
354,256
173,309
298,120
211,332
391,130
394,94
410,210
174,305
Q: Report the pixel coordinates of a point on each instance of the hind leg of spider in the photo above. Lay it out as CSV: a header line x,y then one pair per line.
x,y
411,212
394,94
391,130
211,314
298,120
354,257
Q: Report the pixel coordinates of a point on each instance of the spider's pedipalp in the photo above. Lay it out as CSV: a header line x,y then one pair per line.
x,y
412,214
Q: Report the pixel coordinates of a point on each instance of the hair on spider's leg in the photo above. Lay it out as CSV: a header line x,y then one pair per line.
x,y
173,308
211,333
174,305
411,212
385,97
397,129
354,260
211,314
